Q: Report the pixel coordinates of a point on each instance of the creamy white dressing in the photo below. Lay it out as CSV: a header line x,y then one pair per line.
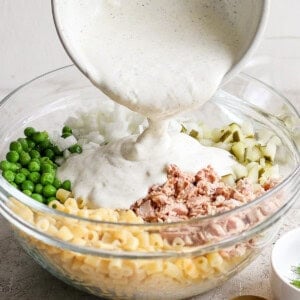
x,y
104,176
158,58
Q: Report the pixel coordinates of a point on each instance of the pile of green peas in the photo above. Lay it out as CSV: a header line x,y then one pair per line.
x,y
30,165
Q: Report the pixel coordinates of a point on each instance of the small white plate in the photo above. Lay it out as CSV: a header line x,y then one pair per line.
x,y
285,255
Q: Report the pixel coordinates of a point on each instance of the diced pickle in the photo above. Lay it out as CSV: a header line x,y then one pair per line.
x,y
240,171
234,127
253,173
194,134
253,154
268,151
254,151
229,179
238,149
226,137
237,136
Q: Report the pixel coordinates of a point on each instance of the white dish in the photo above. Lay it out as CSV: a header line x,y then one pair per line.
x,y
285,255
250,16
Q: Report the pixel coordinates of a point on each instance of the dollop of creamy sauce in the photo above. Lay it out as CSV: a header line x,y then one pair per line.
x,y
158,58
105,175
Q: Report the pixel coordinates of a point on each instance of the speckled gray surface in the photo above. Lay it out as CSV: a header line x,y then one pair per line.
x,y
22,279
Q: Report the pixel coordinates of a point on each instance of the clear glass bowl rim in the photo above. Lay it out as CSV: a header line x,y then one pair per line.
x,y
10,190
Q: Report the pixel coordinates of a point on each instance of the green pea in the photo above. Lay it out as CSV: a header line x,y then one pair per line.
x,y
31,144
5,165
49,191
57,151
34,166
34,154
67,129
34,177
39,137
49,153
18,165
15,166
28,185
47,178
9,175
16,146
12,156
66,185
38,148
24,158
38,188
50,199
37,160
75,149
45,159
27,192
47,168
57,183
46,144
24,144
37,197
25,172
29,131
65,135
20,178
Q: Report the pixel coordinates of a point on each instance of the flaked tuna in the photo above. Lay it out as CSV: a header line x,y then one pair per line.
x,y
186,196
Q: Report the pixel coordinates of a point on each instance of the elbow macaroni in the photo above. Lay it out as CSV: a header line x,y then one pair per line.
x,y
109,274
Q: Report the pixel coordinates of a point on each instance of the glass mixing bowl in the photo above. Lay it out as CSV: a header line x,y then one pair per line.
x,y
125,260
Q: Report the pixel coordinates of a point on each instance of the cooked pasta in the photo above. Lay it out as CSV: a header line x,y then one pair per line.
x,y
111,274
